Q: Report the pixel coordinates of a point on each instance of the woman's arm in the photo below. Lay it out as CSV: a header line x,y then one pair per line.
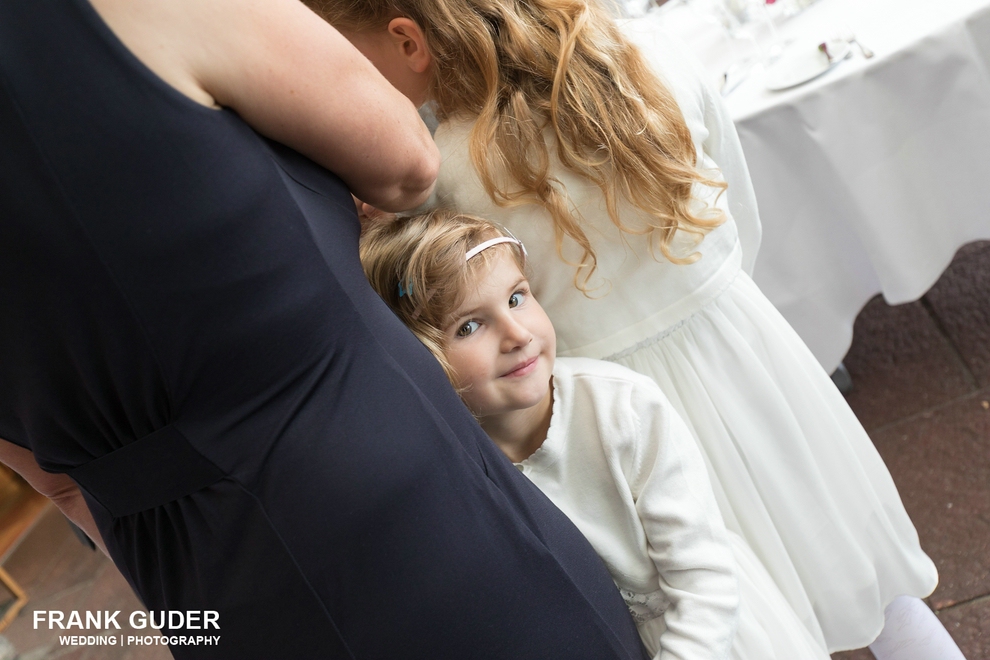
x,y
293,78
59,488
687,539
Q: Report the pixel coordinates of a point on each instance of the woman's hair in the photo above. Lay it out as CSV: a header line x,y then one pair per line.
x,y
526,69
418,266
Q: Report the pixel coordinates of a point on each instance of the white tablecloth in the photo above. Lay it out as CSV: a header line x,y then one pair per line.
x,y
870,177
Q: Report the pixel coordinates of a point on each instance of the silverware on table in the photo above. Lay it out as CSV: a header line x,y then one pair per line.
x,y
850,38
735,75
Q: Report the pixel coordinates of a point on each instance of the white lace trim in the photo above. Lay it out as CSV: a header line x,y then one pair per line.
x,y
649,341
645,607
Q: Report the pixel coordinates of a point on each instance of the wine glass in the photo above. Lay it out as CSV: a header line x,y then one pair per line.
x,y
719,13
755,22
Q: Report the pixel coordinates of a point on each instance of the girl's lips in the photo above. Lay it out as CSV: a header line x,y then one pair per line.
x,y
523,369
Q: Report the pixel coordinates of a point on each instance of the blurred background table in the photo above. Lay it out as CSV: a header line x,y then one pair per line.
x,y
870,177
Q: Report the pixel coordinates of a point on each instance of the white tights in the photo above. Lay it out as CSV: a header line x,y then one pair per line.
x,y
911,631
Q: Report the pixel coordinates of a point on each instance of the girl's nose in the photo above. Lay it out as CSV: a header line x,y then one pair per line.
x,y
515,335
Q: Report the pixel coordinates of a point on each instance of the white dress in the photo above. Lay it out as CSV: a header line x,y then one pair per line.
x,y
794,472
621,463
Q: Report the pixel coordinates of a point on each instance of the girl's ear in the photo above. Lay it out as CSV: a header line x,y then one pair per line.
x,y
407,35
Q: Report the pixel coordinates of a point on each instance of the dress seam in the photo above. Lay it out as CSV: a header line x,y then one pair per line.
x,y
666,332
292,557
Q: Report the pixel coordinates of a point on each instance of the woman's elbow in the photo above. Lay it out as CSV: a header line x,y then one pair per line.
x,y
414,185
423,182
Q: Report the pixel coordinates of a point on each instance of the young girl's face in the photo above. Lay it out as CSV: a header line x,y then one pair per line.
x,y
501,344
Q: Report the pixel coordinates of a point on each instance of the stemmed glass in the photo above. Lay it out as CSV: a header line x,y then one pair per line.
x,y
719,13
740,22
740,19
776,46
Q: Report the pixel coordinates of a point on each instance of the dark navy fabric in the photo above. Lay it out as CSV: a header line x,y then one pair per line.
x,y
185,329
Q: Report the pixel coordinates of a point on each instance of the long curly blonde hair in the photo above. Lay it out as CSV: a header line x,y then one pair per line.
x,y
526,70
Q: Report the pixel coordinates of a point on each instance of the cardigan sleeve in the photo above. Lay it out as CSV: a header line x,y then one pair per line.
x,y
723,146
687,539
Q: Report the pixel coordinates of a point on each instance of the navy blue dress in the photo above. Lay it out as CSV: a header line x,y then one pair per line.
x,y
186,331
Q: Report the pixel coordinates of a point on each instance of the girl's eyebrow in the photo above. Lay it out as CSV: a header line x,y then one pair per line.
x,y
459,314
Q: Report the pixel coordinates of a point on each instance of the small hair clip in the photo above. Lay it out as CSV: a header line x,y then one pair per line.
x,y
407,291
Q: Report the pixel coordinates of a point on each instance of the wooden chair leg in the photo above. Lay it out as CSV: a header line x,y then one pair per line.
x,y
20,601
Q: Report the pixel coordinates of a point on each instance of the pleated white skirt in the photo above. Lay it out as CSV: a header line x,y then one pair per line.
x,y
794,472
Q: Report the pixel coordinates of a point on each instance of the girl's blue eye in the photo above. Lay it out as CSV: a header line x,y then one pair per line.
x,y
467,329
516,299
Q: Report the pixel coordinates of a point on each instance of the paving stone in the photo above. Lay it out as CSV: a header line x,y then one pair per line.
x,y
22,634
901,364
969,625
75,564
940,462
37,654
961,302
117,652
149,653
110,592
34,557
978,248
68,653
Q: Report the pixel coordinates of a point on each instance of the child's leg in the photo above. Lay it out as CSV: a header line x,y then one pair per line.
x,y
913,632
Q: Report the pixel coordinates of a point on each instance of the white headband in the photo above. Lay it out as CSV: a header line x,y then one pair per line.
x,y
481,247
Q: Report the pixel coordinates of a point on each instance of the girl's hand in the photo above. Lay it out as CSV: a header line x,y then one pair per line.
x,y
369,214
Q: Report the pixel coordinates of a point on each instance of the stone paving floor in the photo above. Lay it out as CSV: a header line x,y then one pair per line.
x,y
921,375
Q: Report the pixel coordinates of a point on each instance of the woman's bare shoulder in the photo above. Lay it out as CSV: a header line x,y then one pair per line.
x,y
292,77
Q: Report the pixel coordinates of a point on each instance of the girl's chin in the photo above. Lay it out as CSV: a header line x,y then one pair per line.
x,y
530,400
531,391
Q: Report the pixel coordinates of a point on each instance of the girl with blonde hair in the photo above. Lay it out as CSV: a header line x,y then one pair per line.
x,y
601,441
599,146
